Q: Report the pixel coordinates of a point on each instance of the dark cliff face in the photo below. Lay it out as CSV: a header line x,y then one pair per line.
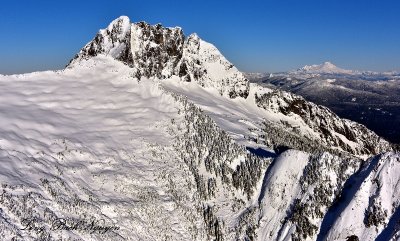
x,y
154,51
333,131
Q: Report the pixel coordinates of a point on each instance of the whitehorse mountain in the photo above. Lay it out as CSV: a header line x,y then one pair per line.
x,y
155,51
152,135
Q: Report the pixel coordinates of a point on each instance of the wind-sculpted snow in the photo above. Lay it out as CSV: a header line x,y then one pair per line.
x,y
88,153
90,145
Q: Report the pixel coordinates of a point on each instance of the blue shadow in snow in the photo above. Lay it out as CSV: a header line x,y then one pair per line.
x,y
390,229
261,152
351,186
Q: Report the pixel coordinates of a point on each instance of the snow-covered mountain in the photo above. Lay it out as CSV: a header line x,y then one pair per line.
x,y
149,134
324,68
159,52
328,69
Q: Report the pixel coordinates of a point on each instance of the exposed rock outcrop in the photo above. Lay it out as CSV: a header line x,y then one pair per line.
x,y
154,51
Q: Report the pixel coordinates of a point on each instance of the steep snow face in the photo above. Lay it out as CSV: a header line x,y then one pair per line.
x,y
370,208
297,191
203,62
276,196
160,52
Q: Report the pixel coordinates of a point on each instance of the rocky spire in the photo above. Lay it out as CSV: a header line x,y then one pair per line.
x,y
154,51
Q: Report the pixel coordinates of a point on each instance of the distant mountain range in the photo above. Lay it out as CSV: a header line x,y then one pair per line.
x,y
370,98
328,69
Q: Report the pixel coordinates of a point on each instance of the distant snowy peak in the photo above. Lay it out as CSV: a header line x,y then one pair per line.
x,y
154,51
324,68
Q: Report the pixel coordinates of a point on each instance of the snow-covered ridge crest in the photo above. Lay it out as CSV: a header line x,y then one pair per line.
x,y
154,51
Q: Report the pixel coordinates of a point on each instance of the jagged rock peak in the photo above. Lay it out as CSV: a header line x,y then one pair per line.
x,y
155,51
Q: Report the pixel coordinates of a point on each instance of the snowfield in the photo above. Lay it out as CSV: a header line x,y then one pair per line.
x,y
89,144
151,135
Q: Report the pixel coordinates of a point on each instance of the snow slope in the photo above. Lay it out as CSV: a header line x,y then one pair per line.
x,y
90,153
373,210
89,144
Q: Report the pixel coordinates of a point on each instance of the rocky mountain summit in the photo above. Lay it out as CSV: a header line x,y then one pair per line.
x,y
161,52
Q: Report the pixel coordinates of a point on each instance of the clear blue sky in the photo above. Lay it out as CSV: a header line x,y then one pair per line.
x,y
263,36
